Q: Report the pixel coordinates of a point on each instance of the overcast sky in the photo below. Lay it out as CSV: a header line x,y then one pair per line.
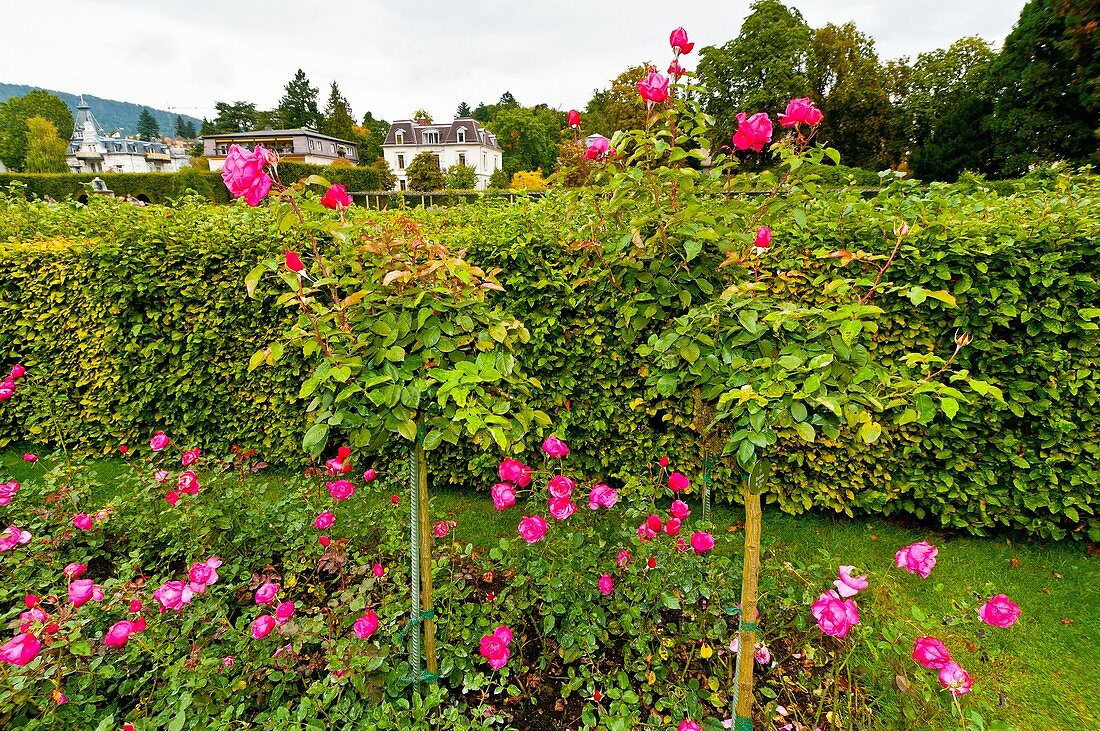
x,y
393,57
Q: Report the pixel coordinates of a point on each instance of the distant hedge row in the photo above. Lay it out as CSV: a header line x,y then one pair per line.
x,y
164,187
135,319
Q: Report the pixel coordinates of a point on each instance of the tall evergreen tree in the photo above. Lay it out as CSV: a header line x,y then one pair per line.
x,y
483,113
207,128
339,120
147,127
185,128
463,110
235,117
1039,114
298,105
507,100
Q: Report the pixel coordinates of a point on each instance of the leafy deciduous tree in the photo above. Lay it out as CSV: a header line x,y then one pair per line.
x,y
460,177
45,150
423,173
14,114
528,137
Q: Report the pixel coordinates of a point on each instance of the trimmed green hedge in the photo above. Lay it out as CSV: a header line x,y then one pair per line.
x,y
134,319
164,187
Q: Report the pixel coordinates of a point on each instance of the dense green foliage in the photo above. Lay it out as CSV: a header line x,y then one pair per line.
x,y
14,114
423,172
298,106
125,357
45,150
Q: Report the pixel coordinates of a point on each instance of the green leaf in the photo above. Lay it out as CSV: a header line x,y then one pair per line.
x,y
949,406
407,429
253,278
692,249
870,432
432,439
315,437
666,385
257,358
689,352
669,601
806,431
178,721
81,648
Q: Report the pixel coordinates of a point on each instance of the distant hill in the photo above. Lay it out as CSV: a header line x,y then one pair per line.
x,y
111,114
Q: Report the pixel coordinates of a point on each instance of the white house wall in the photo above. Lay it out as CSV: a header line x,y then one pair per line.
x,y
485,160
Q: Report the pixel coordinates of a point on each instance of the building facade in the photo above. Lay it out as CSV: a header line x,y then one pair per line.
x,y
91,150
299,145
461,142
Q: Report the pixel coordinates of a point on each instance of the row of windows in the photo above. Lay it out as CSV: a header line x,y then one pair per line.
x,y
287,148
461,160
431,137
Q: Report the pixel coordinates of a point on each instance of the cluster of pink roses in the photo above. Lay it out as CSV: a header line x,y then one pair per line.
x,y
13,536
654,87
119,633
756,131
177,594
245,175
494,647
265,623
834,610
8,385
339,490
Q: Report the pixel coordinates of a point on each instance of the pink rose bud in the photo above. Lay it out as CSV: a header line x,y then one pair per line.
x,y
266,593
28,457
678,39
284,612
135,606
83,521
18,371
324,541
902,230
293,262
663,461
173,497
74,570
336,198
394,499
1000,611
688,725
370,475
672,526
675,70
123,449
83,590
574,118
763,238
378,570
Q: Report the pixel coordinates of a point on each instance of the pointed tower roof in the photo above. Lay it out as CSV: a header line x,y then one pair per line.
x,y
83,116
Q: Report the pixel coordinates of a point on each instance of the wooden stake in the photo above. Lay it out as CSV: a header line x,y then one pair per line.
x,y
747,637
425,560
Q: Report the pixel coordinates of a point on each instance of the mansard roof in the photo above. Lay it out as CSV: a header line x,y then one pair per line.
x,y
448,133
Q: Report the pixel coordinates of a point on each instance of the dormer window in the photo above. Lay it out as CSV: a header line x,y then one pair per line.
x,y
399,137
431,138
461,134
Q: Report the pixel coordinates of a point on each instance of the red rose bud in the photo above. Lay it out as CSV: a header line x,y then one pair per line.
x,y
324,540
293,263
678,39
574,118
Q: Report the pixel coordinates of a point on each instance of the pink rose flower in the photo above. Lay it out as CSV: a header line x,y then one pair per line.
x,y
324,520
173,595
340,490
123,449
752,132
190,457
848,585
955,679
663,461
762,654
28,457
20,650
159,441
173,497
680,545
561,507
602,496
13,537
574,118
1000,611
801,111
135,606
228,661
203,574
336,197
366,625
678,39
83,521
679,510
74,570
378,570
835,616
554,447
244,176
688,725
494,647
119,633
623,559
8,491
599,149
266,593
443,527
324,541
83,590
672,526
532,528
560,486
161,476
504,495
930,652
188,482
651,562
284,612
514,471
919,558
262,626
606,584
17,371
337,466
701,541
6,393
370,475
654,87
678,482
649,528
763,238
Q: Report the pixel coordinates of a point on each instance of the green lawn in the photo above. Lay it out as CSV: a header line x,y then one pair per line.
x,y
1047,666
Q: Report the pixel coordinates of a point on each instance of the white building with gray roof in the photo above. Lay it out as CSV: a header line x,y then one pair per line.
x,y
92,150
461,142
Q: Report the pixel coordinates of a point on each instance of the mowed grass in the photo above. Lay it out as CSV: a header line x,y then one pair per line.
x,y
1046,673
